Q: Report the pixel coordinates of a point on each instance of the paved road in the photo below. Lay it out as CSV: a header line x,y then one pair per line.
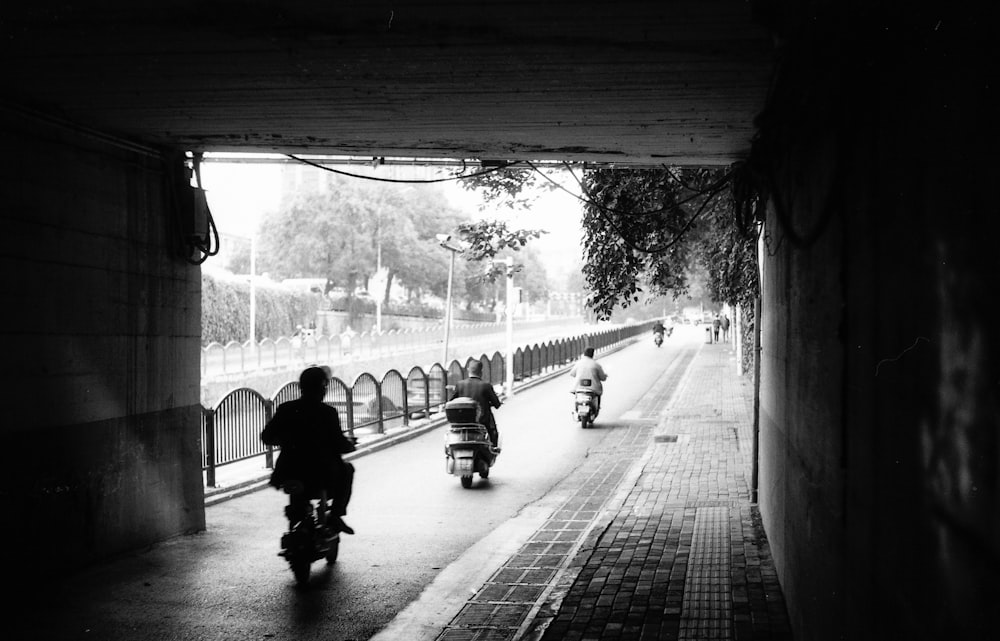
x,y
421,537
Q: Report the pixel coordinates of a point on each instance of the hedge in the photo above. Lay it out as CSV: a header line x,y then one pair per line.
x,y
225,310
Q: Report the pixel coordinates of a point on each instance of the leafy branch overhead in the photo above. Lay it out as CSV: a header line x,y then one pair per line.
x,y
486,239
656,226
515,187
649,230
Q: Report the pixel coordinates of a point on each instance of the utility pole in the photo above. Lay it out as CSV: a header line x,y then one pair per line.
x,y
253,293
444,240
510,328
447,309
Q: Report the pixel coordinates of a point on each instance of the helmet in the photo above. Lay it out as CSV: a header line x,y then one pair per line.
x,y
313,379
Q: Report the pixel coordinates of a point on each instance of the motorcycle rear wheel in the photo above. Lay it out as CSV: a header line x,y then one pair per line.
x,y
467,481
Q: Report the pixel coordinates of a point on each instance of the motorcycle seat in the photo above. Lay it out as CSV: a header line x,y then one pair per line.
x,y
293,487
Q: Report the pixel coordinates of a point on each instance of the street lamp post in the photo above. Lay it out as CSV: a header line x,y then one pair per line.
x,y
510,327
253,292
447,310
443,241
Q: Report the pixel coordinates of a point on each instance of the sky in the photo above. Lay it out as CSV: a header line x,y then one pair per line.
x,y
239,194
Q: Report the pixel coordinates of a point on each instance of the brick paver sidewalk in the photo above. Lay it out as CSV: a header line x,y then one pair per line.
x,y
659,539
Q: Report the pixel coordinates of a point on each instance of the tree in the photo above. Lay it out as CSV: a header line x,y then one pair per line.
x,y
491,241
345,232
646,230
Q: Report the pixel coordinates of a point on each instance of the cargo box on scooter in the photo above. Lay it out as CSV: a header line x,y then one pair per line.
x,y
461,410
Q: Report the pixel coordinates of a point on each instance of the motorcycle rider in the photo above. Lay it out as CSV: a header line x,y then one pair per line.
x,y
477,389
308,432
658,327
589,375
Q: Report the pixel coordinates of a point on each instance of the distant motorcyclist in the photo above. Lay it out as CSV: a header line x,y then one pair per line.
x,y
589,375
308,432
477,389
658,327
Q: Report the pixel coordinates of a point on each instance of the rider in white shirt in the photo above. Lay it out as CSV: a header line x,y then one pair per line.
x,y
589,375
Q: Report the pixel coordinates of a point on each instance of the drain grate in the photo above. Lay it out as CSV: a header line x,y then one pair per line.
x,y
665,438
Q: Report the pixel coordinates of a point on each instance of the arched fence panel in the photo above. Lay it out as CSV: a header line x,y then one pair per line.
x,y
518,364
456,372
484,362
324,348
365,396
283,351
418,393
393,400
267,353
338,395
437,383
285,393
468,362
536,361
232,358
497,371
240,417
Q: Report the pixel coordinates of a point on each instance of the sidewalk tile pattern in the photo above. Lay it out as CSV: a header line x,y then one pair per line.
x,y
503,607
678,554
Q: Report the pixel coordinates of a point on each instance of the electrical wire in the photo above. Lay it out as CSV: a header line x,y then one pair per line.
x,y
603,210
403,180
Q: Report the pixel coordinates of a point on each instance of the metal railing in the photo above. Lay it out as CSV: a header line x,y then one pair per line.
x,y
239,358
371,407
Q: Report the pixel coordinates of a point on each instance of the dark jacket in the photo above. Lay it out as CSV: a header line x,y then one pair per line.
x,y
482,392
308,433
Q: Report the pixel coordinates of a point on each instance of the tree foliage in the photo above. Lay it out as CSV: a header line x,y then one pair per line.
x,y
647,230
515,186
344,231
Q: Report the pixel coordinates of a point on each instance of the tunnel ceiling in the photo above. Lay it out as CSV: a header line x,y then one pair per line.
x,y
667,81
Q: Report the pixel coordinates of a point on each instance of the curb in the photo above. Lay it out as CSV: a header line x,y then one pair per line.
x,y
216,496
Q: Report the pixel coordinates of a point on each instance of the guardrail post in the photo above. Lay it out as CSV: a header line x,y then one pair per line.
x,y
350,410
406,401
210,447
381,413
268,415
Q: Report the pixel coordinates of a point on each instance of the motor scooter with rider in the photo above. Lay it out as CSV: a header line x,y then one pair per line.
x,y
473,441
658,333
588,387
468,449
310,469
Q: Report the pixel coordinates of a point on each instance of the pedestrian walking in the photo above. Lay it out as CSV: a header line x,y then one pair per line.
x,y
725,328
716,326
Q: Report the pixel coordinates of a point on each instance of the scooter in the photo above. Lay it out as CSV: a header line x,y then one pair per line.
x,y
585,407
467,445
658,338
308,538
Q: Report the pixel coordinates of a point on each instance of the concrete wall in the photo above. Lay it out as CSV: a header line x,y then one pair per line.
x,y
880,425
100,336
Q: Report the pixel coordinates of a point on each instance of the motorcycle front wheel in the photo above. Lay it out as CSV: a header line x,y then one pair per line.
x,y
331,553
300,568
